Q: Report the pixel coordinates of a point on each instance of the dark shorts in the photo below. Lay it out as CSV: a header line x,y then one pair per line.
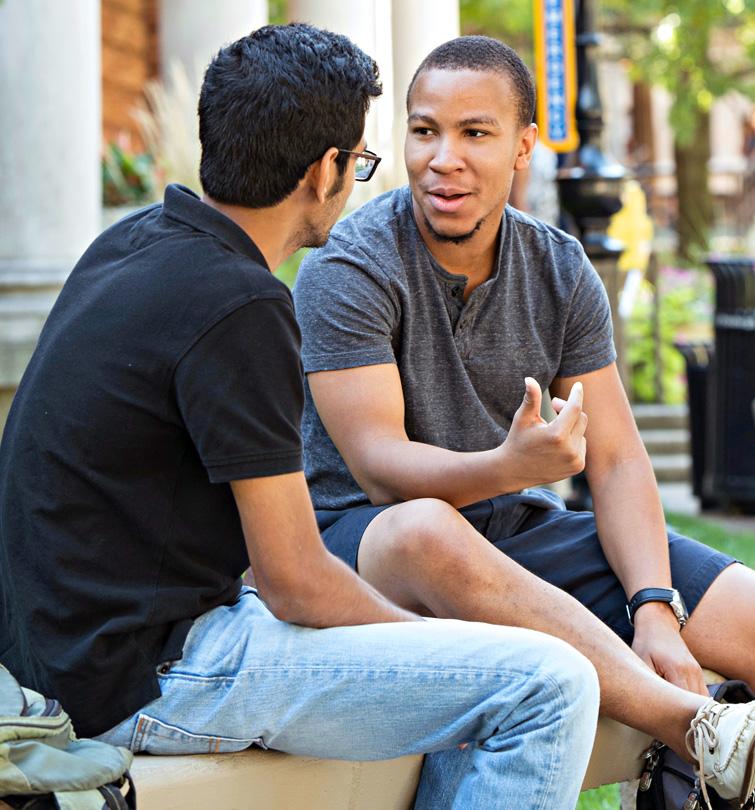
x,y
557,545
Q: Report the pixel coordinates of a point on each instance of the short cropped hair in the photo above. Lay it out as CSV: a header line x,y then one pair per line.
x,y
483,54
273,103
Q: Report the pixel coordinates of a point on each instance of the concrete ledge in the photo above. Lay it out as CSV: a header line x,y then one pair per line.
x,y
269,779
257,778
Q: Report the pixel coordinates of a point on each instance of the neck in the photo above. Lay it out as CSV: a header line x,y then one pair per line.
x,y
474,258
272,229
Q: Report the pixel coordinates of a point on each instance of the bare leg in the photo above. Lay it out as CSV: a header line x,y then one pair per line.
x,y
713,637
425,556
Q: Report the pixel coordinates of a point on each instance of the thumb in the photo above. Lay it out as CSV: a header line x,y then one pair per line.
x,y
533,397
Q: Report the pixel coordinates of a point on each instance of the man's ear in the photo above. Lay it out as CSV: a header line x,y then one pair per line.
x,y
526,147
322,174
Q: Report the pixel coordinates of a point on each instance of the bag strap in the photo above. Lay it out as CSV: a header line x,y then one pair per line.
x,y
114,799
731,692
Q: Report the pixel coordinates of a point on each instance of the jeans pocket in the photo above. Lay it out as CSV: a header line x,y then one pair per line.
x,y
153,736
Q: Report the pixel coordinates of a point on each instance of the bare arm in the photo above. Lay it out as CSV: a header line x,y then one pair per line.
x,y
630,521
300,581
363,411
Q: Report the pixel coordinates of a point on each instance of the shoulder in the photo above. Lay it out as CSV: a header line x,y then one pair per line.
x,y
376,222
542,236
370,238
545,252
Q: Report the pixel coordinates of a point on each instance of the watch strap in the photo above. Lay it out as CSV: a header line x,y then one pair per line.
x,y
648,595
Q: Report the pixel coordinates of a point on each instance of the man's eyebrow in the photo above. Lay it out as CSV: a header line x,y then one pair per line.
x,y
421,117
485,120
465,123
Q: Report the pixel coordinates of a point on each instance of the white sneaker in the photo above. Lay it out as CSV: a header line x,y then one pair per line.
x,y
721,739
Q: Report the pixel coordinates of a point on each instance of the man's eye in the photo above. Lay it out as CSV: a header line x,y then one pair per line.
x,y
421,131
476,133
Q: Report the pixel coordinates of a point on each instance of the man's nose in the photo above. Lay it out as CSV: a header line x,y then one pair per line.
x,y
447,156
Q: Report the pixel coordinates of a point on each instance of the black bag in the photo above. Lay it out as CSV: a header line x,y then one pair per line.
x,y
668,782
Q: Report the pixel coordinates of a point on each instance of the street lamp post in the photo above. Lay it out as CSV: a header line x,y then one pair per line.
x,y
590,183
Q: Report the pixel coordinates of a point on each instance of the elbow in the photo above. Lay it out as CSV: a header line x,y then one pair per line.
x,y
380,495
295,600
380,492
289,608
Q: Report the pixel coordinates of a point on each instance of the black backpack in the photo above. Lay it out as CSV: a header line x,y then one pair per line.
x,y
668,782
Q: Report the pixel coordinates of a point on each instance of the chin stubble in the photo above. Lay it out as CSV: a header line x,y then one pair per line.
x,y
454,240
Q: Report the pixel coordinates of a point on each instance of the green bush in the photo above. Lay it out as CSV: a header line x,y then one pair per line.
x,y
287,271
684,313
128,178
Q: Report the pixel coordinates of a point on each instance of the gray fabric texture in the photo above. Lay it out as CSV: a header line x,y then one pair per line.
x,y
374,294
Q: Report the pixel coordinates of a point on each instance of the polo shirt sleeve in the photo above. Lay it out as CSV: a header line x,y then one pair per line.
x,y
588,339
240,392
346,309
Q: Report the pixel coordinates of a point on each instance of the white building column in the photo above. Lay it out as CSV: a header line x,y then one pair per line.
x,y
192,32
50,193
367,23
418,27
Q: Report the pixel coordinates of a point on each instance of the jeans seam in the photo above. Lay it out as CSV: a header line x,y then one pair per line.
x,y
551,770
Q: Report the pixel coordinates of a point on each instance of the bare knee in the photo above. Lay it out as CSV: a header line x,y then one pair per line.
x,y
421,530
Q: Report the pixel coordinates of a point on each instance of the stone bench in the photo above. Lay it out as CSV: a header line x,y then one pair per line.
x,y
275,781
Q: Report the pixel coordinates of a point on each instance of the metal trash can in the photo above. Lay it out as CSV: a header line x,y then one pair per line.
x,y
698,358
731,422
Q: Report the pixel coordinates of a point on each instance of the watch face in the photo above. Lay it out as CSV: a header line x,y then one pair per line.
x,y
678,606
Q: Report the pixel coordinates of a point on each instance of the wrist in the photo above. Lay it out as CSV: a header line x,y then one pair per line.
x,y
651,614
506,472
667,596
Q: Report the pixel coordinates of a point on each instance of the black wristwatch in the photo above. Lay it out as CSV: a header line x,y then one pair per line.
x,y
670,595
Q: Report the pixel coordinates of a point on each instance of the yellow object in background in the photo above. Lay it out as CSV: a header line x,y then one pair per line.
x,y
632,226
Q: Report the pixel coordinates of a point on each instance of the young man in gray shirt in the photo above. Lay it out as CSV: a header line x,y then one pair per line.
x,y
425,319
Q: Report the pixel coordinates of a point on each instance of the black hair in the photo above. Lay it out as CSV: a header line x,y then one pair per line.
x,y
273,103
484,54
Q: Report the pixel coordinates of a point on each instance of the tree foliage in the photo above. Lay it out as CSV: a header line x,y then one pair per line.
x,y
507,20
699,50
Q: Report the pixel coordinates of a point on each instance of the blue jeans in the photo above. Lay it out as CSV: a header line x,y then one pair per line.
x,y
525,702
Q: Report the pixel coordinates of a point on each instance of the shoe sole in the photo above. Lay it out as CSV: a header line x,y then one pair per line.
x,y
747,797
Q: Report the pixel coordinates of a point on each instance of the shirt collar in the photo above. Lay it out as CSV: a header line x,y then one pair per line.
x,y
184,205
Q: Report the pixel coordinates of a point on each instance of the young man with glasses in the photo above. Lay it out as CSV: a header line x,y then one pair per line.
x,y
423,319
153,453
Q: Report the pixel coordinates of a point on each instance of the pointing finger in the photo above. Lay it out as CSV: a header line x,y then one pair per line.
x,y
573,408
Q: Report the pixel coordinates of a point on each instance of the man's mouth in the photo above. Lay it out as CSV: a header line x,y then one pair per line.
x,y
447,201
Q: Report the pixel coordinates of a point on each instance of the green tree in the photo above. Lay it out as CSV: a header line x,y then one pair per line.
x,y
699,50
507,20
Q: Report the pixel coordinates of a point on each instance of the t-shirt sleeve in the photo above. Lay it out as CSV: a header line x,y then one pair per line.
x,y
346,309
240,392
588,339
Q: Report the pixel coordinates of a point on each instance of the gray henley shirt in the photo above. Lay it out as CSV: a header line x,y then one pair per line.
x,y
374,294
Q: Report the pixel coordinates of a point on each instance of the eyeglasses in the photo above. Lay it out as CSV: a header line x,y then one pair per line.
x,y
365,165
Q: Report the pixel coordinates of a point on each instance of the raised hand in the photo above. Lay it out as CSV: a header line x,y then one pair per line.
x,y
542,451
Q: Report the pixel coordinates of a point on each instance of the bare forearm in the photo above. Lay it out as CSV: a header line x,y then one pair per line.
x,y
405,470
630,523
332,596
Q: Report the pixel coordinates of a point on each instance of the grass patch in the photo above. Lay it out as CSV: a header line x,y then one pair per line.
x,y
602,798
739,544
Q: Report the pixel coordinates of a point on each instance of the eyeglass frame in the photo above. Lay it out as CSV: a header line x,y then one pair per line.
x,y
366,154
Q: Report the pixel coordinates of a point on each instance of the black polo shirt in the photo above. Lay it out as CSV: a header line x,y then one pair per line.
x,y
168,367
